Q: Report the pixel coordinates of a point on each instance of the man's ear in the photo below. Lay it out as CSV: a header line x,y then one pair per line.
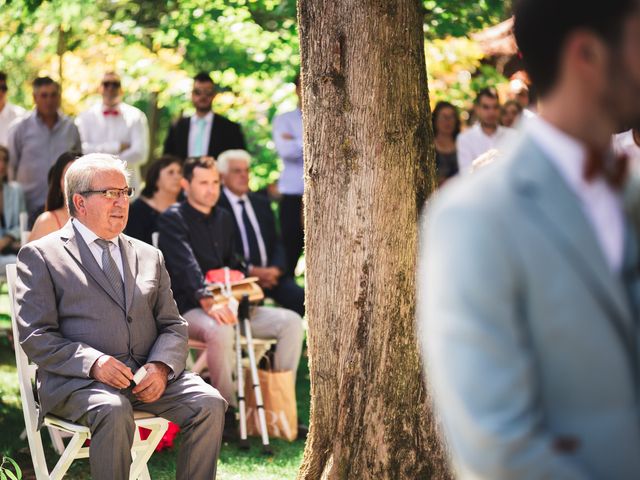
x,y
184,183
78,203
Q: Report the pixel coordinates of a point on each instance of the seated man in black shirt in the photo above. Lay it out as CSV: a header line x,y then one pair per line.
x,y
257,241
195,237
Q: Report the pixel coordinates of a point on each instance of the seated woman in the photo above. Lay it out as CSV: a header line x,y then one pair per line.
x,y
55,213
161,190
11,205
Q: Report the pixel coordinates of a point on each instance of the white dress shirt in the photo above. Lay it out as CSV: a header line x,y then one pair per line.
x,y
624,144
90,239
601,203
237,212
473,142
7,115
197,149
101,133
290,151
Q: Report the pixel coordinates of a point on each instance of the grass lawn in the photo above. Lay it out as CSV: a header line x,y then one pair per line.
x,y
233,464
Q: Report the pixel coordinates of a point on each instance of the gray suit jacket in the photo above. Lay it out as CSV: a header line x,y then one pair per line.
x,y
68,315
530,341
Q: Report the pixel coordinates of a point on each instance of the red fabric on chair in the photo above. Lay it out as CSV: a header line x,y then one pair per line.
x,y
217,276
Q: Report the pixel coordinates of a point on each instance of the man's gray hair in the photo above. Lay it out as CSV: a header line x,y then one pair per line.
x,y
80,175
222,162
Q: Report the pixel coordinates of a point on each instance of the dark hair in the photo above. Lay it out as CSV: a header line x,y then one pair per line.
x,y
203,77
541,35
3,76
42,81
55,195
489,92
192,163
436,111
153,173
4,152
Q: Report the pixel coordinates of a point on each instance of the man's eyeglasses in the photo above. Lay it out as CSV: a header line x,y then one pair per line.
x,y
112,193
3,87
111,84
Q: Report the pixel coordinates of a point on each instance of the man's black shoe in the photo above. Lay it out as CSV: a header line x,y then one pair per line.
x,y
230,432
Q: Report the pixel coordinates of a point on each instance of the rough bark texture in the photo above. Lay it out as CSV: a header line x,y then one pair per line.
x,y
369,165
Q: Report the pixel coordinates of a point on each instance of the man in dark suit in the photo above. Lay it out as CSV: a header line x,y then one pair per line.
x,y
205,133
94,306
257,240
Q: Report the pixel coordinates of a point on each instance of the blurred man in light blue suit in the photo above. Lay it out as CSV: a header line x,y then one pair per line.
x,y
528,312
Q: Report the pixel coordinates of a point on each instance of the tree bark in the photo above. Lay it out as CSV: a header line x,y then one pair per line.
x,y
369,166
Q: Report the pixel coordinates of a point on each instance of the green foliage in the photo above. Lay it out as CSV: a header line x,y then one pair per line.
x,y
459,17
251,48
9,469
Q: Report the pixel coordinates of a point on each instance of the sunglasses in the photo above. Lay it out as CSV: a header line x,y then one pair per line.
x,y
108,84
3,88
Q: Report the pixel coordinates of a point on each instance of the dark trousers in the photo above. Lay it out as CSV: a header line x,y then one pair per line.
x,y
292,230
288,294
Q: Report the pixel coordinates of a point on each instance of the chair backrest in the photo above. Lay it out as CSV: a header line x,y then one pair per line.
x,y
24,225
26,375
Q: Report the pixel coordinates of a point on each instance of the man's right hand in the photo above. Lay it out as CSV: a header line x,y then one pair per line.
x,y
220,313
111,372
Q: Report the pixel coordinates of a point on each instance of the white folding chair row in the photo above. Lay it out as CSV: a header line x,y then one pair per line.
x,y
141,450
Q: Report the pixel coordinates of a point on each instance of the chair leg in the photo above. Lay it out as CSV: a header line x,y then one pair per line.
x,y
143,449
69,455
56,440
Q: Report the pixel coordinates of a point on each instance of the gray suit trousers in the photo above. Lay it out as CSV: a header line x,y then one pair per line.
x,y
195,406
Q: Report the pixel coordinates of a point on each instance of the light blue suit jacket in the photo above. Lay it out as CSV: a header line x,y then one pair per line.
x,y
530,340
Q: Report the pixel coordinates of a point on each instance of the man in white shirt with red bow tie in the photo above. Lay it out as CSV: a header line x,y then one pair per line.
x,y
114,127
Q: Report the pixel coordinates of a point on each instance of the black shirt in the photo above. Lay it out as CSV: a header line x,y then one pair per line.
x,y
143,219
194,243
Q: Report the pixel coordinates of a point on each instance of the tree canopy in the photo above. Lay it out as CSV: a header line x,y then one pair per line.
x,y
251,48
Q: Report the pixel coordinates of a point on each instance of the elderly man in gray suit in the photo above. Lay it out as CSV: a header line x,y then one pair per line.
x,y
529,277
94,306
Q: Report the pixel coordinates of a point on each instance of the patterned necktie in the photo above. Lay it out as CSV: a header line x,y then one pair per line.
x,y
252,239
110,269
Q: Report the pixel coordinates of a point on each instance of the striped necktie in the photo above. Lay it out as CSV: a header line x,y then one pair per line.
x,y
111,270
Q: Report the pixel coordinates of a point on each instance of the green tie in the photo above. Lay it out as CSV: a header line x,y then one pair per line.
x,y
199,147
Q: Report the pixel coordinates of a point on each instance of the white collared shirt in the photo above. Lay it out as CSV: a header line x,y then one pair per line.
x,y
624,144
90,238
600,202
237,212
194,129
7,115
473,142
102,133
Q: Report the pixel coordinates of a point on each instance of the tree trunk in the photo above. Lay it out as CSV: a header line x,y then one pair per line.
x,y
369,166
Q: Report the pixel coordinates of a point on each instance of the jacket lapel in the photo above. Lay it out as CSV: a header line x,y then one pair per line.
x,y
557,210
130,267
78,249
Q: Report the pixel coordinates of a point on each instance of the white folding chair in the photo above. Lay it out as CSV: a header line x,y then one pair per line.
x,y
199,365
24,224
141,450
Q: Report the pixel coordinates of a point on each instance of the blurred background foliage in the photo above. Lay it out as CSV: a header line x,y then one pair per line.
x,y
250,47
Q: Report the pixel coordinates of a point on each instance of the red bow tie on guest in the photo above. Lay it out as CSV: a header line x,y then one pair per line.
x,y
111,111
613,168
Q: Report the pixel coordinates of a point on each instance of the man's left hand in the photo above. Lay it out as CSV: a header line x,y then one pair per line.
x,y
267,276
153,384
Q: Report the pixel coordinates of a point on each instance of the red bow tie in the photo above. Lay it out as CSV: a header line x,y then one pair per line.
x,y
613,168
113,112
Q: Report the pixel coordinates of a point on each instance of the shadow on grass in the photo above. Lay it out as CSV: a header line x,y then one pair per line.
x,y
234,464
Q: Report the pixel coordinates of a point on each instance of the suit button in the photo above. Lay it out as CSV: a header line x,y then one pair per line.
x,y
129,319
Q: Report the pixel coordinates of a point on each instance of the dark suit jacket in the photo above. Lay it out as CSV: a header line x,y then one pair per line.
x,y
267,223
225,135
68,315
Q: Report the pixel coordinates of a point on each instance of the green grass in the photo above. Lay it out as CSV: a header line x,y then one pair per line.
x,y
233,464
